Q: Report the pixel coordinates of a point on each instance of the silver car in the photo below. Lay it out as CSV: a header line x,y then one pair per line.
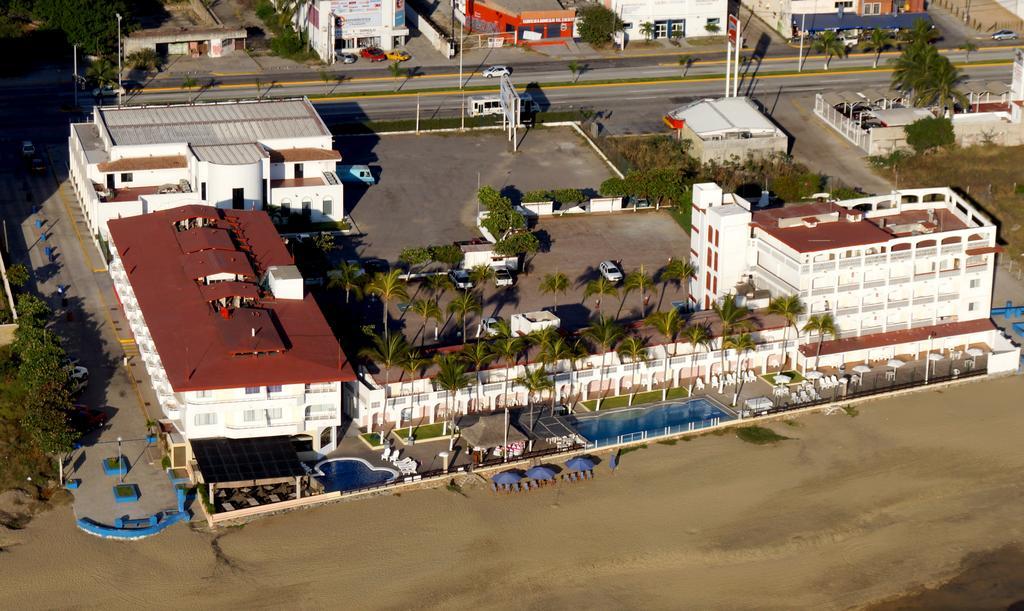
x,y
1004,35
610,271
496,71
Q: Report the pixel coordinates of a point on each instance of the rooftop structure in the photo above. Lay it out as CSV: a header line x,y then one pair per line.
x,y
719,129
241,155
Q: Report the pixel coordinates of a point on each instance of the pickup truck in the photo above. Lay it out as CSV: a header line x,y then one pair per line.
x,y
356,173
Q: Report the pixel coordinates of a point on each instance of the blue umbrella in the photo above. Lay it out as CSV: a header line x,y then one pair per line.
x,y
540,473
580,463
506,477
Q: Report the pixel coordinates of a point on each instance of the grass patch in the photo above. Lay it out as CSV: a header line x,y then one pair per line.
x,y
641,398
374,439
668,442
759,435
424,432
795,377
851,411
632,449
793,423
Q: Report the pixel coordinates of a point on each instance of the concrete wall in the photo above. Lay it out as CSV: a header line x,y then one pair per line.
x,y
724,150
438,40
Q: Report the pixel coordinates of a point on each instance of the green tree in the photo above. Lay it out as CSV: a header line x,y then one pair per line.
x,y
189,84
941,86
742,344
414,364
574,69
414,257
641,282
388,287
462,306
502,217
822,324
534,381
451,377
328,80
669,324
144,59
17,275
677,272
387,352
930,133
449,254
968,47
698,336
324,241
48,426
517,243
789,307
102,71
597,24
634,350
438,285
921,32
348,277
91,25
829,44
615,187
481,273
506,348
605,333
733,317
478,355
878,41
397,72
647,30
554,352
32,312
426,309
555,284
600,287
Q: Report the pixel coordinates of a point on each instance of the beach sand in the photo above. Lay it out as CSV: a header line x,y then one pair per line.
x,y
850,512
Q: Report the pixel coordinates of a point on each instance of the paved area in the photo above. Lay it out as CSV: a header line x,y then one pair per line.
x,y
87,326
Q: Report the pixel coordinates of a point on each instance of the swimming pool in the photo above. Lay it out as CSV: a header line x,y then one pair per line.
x,y
342,474
634,424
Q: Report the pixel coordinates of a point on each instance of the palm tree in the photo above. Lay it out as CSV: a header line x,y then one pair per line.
x,y
647,30
669,323
911,68
695,335
414,364
481,273
534,381
478,355
387,286
554,284
606,333
506,348
878,40
830,44
327,78
462,306
742,344
350,278
189,84
677,272
397,72
790,308
968,47
426,309
438,285
941,86
552,353
922,32
386,352
103,71
543,338
638,281
600,287
634,349
822,324
451,377
577,350
733,317
574,69
685,63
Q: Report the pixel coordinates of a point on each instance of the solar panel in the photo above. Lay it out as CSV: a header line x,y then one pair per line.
x,y
235,460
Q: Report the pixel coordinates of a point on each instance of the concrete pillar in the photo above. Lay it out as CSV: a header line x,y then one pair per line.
x,y
298,487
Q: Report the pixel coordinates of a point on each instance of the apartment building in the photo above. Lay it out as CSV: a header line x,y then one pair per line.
x,y
233,344
249,155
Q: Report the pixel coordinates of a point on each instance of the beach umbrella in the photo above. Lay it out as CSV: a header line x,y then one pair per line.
x,y
580,463
862,369
506,477
783,379
814,375
895,363
935,356
540,473
975,351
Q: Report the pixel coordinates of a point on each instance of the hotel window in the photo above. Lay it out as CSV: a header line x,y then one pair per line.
x,y
328,206
286,206
202,190
126,177
249,415
323,410
275,413
307,207
204,419
972,306
238,198
204,394
975,283
252,390
274,388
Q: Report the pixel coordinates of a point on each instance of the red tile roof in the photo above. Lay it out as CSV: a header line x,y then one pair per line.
x,y
304,154
313,181
128,164
204,238
825,234
276,341
891,338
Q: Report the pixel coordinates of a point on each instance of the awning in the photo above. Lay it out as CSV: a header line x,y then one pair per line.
x,y
246,461
852,21
488,431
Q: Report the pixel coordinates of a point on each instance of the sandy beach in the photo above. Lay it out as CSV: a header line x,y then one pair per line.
x,y
874,509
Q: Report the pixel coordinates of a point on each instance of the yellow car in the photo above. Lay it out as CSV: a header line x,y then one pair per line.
x,y
398,55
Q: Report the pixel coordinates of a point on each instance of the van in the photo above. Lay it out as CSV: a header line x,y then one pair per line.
x,y
356,173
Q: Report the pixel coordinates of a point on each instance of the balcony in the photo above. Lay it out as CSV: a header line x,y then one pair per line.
x,y
924,300
949,273
873,284
872,307
848,288
827,266
898,303
823,290
949,296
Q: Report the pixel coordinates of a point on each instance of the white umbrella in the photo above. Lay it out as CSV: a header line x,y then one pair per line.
x,y
935,356
975,351
895,363
862,369
814,375
783,379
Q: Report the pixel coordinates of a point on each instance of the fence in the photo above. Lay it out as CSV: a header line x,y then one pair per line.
x,y
640,436
847,127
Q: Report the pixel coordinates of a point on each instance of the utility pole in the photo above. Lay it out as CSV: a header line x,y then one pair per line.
x,y
118,58
417,114
800,58
736,68
460,54
728,60
74,81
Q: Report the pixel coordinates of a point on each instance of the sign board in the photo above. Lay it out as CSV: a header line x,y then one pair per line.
x,y
346,7
399,13
733,28
530,35
509,100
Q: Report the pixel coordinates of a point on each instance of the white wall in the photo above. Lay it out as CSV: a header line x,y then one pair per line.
x,y
694,13
221,179
316,196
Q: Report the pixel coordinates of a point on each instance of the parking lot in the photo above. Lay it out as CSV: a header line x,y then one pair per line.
x,y
426,189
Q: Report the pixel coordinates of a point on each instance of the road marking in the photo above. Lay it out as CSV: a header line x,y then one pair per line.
x,y
270,85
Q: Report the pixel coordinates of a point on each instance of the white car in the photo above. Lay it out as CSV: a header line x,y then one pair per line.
x,y
460,278
489,327
79,377
502,277
107,91
496,71
1004,35
27,149
610,271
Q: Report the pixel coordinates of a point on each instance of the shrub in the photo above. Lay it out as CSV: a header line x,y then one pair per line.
x,y
538,196
598,24
415,255
446,253
796,186
145,59
568,196
930,133
17,275
614,187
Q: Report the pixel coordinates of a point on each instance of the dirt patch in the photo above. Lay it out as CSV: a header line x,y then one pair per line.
x,y
17,508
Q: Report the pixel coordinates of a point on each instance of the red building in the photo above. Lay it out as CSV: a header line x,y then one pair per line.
x,y
890,7
524,21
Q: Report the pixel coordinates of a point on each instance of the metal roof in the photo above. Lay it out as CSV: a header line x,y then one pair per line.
x,y
212,124
246,460
724,115
229,154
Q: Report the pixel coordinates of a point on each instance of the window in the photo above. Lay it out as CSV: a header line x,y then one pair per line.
x,y
307,207
253,390
846,4
325,437
127,177
298,170
714,21
972,306
206,419
249,415
204,394
328,206
238,198
274,388
275,413
975,283
407,414
202,190
323,410
286,206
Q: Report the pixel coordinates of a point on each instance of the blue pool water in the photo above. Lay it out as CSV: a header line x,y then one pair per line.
x,y
342,474
634,424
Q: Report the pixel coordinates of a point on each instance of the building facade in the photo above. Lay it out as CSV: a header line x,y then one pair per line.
x,y
241,155
670,18
522,21
350,25
234,346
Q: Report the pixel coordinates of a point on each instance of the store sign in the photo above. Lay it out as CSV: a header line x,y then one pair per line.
x,y
352,21
347,7
544,20
733,28
399,13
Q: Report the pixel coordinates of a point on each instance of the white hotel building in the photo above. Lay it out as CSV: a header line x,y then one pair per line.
x,y
135,160
234,346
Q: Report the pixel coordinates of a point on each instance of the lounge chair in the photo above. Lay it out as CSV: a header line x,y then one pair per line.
x,y
386,454
494,487
699,384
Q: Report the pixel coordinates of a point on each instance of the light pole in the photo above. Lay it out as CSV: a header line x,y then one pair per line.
x,y
118,69
74,81
800,59
120,465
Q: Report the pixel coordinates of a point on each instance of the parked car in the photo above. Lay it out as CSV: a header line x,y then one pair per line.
x,y
398,55
28,150
79,378
373,54
849,40
106,91
356,173
38,165
496,71
489,326
610,271
460,278
1004,35
345,58
86,419
503,277
376,266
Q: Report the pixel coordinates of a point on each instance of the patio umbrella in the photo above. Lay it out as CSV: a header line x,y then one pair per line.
x,y
862,369
783,379
540,473
895,363
580,463
935,356
975,351
506,477
813,375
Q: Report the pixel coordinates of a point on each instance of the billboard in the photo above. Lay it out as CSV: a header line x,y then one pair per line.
x,y
347,7
399,13
733,28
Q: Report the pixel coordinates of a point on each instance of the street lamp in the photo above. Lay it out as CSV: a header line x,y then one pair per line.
x,y
118,67
120,466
